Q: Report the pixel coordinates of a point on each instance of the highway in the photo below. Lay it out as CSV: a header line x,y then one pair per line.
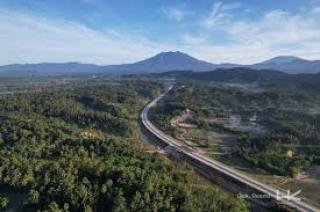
x,y
178,146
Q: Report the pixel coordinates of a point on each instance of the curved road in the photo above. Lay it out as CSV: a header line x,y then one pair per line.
x,y
201,159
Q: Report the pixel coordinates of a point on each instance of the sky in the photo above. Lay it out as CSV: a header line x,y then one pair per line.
x,y
125,31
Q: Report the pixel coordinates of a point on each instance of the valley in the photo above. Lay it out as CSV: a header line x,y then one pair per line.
x,y
159,106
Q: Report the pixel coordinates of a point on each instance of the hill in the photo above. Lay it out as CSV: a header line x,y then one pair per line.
x,y
290,64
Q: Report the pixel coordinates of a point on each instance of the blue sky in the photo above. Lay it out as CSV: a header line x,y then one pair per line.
x,y
121,31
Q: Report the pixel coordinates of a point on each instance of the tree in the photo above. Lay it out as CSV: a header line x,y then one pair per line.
x,y
33,196
4,201
54,207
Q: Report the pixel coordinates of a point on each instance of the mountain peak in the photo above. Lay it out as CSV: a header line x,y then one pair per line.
x,y
283,60
172,60
172,54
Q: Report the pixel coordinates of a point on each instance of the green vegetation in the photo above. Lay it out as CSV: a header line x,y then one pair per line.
x,y
3,202
290,115
75,149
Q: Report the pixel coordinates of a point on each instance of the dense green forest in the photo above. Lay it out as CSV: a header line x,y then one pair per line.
x,y
77,149
291,115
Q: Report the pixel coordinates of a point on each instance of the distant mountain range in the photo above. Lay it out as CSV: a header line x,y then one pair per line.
x,y
163,62
50,69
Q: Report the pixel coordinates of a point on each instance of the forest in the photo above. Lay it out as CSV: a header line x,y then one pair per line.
x,y
290,115
77,148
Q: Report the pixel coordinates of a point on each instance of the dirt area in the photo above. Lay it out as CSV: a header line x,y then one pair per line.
x,y
312,175
308,182
182,119
208,142
88,134
309,185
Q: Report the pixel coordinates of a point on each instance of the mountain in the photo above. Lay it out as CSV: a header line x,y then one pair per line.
x,y
289,64
163,62
166,61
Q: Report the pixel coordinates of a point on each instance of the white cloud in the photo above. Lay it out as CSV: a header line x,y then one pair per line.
x,y
278,28
26,38
238,53
177,13
220,13
248,41
281,32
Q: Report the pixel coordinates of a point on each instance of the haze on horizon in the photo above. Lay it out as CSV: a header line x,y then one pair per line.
x,y
114,32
